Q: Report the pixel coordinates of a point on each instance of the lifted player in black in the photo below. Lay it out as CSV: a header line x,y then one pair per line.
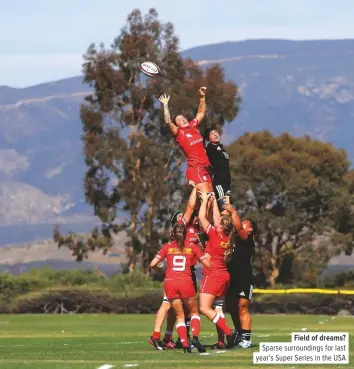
x,y
239,293
219,160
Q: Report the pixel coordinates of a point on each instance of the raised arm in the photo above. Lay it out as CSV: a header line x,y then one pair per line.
x,y
191,205
203,219
236,221
202,105
216,213
164,100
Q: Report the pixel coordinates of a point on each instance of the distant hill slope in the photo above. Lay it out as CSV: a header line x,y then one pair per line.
x,y
16,259
303,87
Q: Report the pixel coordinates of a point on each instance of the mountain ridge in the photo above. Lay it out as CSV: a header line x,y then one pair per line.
x,y
303,87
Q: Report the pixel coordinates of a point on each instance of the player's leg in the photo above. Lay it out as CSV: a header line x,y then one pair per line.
x,y
168,340
210,289
218,307
206,308
222,194
192,305
245,318
231,299
155,339
187,321
180,324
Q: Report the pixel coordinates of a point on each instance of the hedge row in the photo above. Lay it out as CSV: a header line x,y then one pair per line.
x,y
97,300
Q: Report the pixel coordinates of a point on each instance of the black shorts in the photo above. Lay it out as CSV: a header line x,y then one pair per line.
x,y
241,288
221,189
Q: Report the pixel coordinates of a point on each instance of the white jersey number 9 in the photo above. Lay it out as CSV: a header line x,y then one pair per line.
x,y
179,263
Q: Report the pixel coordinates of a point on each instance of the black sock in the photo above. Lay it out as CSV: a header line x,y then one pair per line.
x,y
246,335
188,324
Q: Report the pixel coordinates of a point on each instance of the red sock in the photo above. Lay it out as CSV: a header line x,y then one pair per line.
x,y
221,323
221,334
156,335
182,333
195,325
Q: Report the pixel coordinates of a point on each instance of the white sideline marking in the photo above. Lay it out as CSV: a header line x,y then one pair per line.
x,y
106,366
126,343
266,335
220,352
130,365
303,329
205,353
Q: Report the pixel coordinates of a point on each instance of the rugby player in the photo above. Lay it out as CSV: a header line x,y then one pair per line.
x,y
178,283
239,294
165,308
216,279
192,143
219,160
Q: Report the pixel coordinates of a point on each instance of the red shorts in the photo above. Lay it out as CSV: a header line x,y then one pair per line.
x,y
198,174
216,285
179,288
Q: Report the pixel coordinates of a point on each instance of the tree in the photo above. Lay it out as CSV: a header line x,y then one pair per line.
x,y
126,143
300,192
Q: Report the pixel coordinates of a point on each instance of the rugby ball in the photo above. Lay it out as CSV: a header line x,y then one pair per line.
x,y
150,69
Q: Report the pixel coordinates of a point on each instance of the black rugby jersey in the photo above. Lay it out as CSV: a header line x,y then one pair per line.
x,y
242,257
219,160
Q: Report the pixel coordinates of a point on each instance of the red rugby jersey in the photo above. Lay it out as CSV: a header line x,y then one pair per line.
x,y
217,246
179,263
192,144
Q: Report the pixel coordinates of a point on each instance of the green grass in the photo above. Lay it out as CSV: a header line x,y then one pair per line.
x,y
90,341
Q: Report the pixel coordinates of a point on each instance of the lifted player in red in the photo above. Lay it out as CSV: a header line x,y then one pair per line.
x,y
192,143
178,282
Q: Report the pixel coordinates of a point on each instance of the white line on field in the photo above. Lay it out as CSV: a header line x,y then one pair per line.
x,y
106,366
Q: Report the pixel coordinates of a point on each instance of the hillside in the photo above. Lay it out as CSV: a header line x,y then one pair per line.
x,y
303,87
16,259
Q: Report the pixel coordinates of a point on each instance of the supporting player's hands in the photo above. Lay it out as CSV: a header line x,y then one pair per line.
x,y
229,208
204,196
202,91
164,99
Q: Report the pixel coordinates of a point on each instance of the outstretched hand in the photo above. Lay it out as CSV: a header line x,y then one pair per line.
x,y
202,91
204,196
164,99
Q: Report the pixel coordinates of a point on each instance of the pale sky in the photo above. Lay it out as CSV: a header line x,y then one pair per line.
x,y
43,40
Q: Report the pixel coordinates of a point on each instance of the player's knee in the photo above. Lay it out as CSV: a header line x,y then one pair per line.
x,y
243,308
165,307
202,308
218,304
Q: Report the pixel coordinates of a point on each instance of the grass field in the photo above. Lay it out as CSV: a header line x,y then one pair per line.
x,y
91,341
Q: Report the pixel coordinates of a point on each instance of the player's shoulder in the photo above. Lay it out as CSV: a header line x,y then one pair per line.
x,y
169,245
210,229
194,122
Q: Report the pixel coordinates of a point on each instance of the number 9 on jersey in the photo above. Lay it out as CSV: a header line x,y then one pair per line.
x,y
179,263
